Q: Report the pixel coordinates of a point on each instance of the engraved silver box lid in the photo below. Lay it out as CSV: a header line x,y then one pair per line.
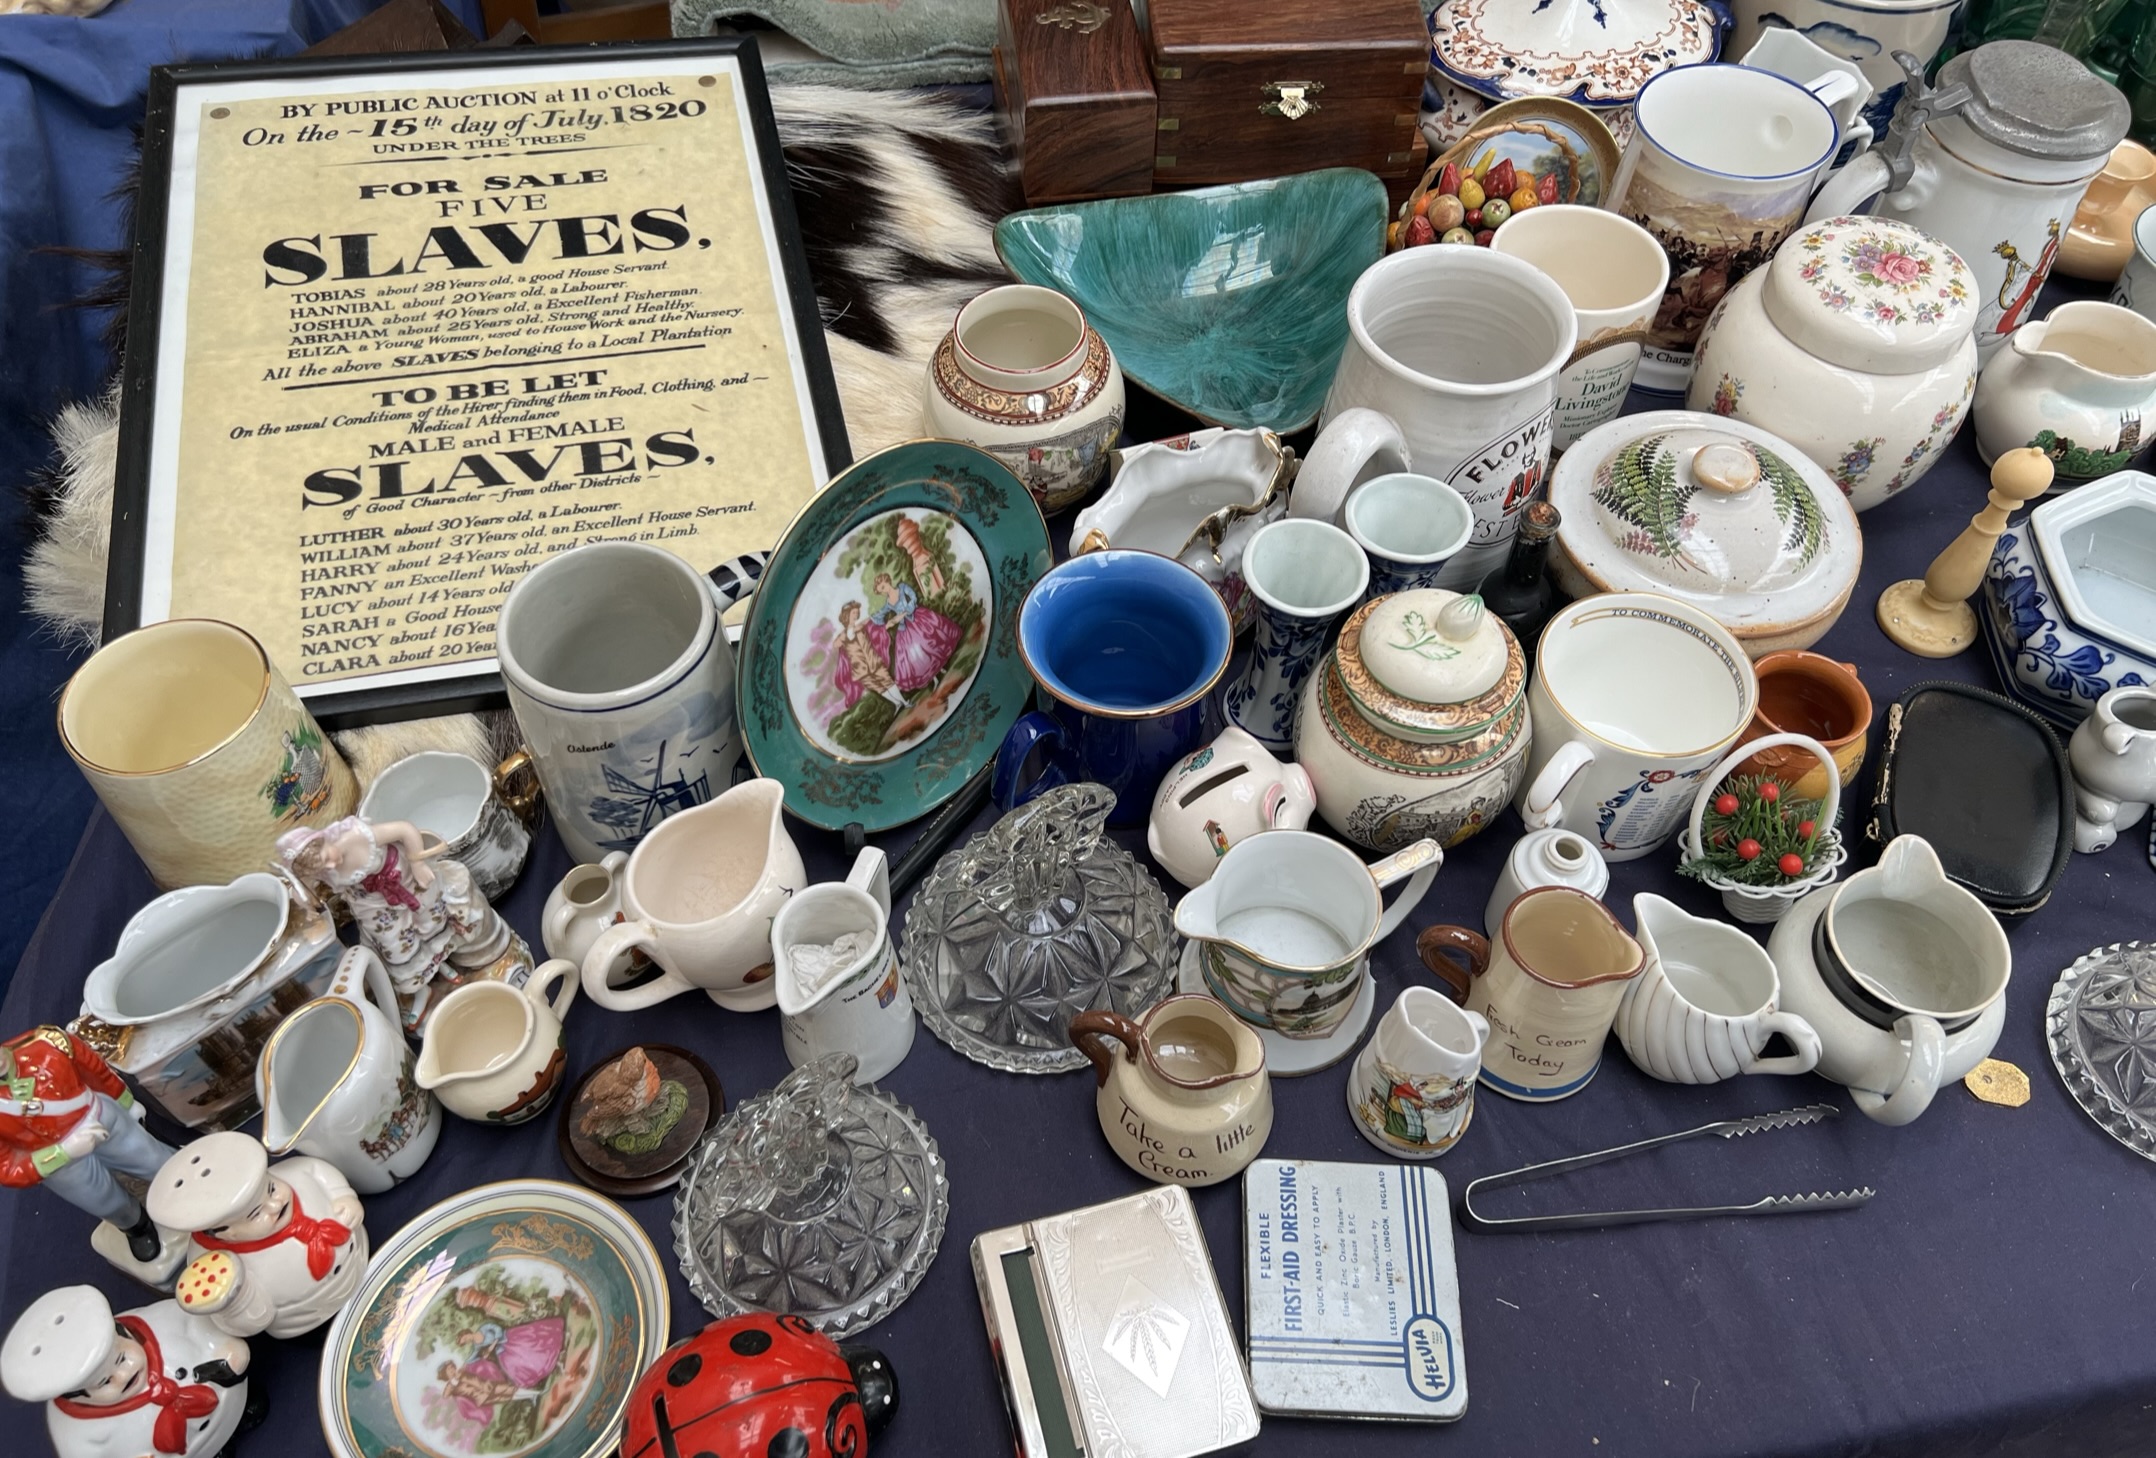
x,y
1111,1334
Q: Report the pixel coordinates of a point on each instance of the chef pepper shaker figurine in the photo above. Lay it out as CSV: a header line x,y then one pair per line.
x,y
281,1247
68,1123
153,1381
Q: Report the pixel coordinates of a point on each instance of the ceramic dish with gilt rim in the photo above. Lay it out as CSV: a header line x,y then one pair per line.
x,y
1538,135
512,1318
880,665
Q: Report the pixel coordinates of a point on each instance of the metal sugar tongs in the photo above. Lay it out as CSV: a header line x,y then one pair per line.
x,y
1724,1129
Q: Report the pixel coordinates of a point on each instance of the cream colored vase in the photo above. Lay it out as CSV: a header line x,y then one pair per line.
x,y
200,750
1184,1098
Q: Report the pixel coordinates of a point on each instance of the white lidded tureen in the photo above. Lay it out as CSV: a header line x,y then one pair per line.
x,y
1857,345
1416,724
1715,512
1598,53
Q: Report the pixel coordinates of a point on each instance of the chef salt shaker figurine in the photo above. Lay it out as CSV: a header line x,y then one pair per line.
x,y
282,1248
153,1381
68,1123
421,913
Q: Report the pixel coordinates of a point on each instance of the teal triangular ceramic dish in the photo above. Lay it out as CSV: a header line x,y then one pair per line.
x,y
1230,302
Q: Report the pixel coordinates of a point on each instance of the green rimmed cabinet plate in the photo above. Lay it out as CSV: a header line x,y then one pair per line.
x,y
511,1319
1228,302
880,665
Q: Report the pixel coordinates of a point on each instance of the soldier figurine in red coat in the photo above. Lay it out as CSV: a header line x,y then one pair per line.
x,y
68,1123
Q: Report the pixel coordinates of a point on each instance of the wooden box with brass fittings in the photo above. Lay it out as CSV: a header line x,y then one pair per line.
x,y
1251,91
1075,92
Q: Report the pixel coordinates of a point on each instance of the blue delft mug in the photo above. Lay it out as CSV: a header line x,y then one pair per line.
x,y
1125,646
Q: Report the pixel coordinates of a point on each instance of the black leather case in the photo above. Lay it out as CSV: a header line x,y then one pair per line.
x,y
1986,782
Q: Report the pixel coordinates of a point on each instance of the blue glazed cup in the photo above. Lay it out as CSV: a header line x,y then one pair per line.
x,y
1125,646
1410,526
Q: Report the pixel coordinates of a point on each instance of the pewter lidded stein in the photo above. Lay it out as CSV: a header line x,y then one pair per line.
x,y
1991,161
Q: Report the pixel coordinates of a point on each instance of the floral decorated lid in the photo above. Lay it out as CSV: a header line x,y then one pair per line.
x,y
1871,294
1429,663
1598,53
1714,511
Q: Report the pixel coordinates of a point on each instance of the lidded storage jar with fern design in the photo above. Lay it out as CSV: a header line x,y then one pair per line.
x,y
1712,511
1857,345
1416,723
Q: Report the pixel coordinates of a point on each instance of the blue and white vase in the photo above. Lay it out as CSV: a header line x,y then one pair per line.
x,y
1302,575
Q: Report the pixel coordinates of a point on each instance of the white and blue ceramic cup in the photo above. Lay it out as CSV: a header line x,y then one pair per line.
x,y
623,686
1125,647
1410,526
1303,575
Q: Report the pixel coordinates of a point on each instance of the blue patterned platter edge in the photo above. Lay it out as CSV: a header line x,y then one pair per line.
x,y
2048,662
880,664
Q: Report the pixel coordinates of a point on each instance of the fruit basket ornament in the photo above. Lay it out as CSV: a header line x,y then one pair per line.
x,y
1757,844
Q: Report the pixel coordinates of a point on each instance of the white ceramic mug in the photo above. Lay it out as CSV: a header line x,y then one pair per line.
x,y
829,1003
1615,273
200,750
1721,164
1707,1002
623,685
471,809
1862,33
1412,1091
1461,348
698,897
1549,984
1634,697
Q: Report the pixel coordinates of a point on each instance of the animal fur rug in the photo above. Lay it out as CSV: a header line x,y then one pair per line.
x,y
897,195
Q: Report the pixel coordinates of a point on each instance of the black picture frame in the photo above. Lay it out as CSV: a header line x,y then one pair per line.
x,y
350,707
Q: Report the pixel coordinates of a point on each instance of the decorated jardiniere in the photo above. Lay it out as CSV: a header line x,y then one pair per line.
x,y
2080,387
1023,376
1416,724
1856,345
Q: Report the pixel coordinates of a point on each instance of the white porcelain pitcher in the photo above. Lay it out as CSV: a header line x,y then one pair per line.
x,y
1706,1003
492,1052
855,1004
338,1081
1413,1089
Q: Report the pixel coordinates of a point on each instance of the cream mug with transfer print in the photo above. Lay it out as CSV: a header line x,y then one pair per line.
x,y
200,750
1548,984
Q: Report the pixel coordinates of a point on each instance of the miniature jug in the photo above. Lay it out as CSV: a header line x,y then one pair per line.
x,y
1992,161
1226,792
698,896
1413,1089
2077,386
337,1081
1902,974
493,1052
1185,1100
1286,924
582,904
837,973
1706,1002
2113,754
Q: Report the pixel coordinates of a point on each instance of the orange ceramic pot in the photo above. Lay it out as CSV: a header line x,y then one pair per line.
x,y
1808,693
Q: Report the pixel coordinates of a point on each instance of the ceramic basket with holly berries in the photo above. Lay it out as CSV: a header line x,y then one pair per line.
x,y
1469,192
1756,843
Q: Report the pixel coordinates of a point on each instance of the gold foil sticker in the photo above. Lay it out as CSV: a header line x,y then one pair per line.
x,y
1996,1081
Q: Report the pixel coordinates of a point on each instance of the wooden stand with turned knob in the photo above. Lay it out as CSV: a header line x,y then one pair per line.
x,y
1932,617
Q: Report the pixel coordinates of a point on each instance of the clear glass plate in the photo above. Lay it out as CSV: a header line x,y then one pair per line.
x,y
2101,1025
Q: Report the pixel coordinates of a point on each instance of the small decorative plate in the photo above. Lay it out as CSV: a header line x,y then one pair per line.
x,y
629,1127
511,1319
1541,135
1596,52
2101,1025
880,665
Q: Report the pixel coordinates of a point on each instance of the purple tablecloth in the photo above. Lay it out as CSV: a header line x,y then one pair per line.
x,y
1987,1302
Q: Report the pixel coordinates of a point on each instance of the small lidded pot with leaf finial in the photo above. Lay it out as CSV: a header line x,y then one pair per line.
x,y
1415,725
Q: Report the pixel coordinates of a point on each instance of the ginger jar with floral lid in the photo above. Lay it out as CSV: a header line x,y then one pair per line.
x,y
1857,345
1415,725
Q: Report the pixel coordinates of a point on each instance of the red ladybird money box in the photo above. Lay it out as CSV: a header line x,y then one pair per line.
x,y
760,1386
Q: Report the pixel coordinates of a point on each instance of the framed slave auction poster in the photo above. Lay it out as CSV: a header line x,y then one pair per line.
x,y
403,327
